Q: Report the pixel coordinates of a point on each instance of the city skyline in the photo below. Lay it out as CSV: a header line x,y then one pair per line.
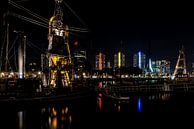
x,y
140,27
61,59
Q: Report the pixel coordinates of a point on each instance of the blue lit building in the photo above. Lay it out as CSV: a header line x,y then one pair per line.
x,y
139,60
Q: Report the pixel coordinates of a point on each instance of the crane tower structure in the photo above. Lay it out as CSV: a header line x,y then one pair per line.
x,y
58,55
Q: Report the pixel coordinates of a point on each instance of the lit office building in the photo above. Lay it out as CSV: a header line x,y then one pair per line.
x,y
108,64
80,55
192,70
79,60
139,60
119,60
100,62
162,67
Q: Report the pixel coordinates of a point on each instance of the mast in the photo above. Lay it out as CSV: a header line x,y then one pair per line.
x,y
21,55
7,49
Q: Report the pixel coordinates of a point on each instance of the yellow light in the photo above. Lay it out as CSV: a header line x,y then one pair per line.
x,y
54,112
3,74
66,110
50,23
12,73
54,123
119,59
70,119
119,108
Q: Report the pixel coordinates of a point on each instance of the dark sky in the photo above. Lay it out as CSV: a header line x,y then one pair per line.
x,y
163,25
137,24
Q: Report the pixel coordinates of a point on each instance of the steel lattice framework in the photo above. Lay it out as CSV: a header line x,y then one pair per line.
x,y
181,63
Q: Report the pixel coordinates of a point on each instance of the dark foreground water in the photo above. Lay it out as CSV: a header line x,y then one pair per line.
x,y
92,112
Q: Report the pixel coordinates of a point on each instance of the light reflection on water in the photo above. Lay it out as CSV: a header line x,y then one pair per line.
x,y
133,104
50,118
21,119
67,115
99,101
139,104
59,117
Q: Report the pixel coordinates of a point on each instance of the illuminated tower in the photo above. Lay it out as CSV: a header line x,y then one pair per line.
x,y
79,61
100,61
59,54
119,60
139,60
181,64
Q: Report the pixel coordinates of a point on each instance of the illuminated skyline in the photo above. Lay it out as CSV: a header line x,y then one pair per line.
x,y
135,24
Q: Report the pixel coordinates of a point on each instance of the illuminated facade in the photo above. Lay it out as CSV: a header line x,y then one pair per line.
x,y
192,70
161,67
119,60
108,64
79,57
139,60
100,62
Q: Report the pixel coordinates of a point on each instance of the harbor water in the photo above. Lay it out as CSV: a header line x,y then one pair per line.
x,y
92,111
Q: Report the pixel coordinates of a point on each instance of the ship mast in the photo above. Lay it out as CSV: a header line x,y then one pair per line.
x,y
7,49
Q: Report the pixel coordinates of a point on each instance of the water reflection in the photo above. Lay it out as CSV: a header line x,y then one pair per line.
x,y
21,119
118,108
59,118
54,117
99,101
74,114
139,104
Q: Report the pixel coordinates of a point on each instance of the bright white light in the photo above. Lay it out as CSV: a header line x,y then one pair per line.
x,y
20,72
39,73
2,74
150,65
139,56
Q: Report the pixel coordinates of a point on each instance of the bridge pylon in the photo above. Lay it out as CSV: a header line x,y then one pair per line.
x,y
180,68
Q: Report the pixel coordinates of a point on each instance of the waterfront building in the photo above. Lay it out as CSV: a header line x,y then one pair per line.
x,y
119,60
139,60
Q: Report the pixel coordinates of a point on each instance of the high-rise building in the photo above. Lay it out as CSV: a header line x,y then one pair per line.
x,y
81,54
162,67
79,60
119,60
139,60
108,64
192,70
100,62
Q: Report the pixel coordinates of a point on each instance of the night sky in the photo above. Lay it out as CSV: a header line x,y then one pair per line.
x,y
137,24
